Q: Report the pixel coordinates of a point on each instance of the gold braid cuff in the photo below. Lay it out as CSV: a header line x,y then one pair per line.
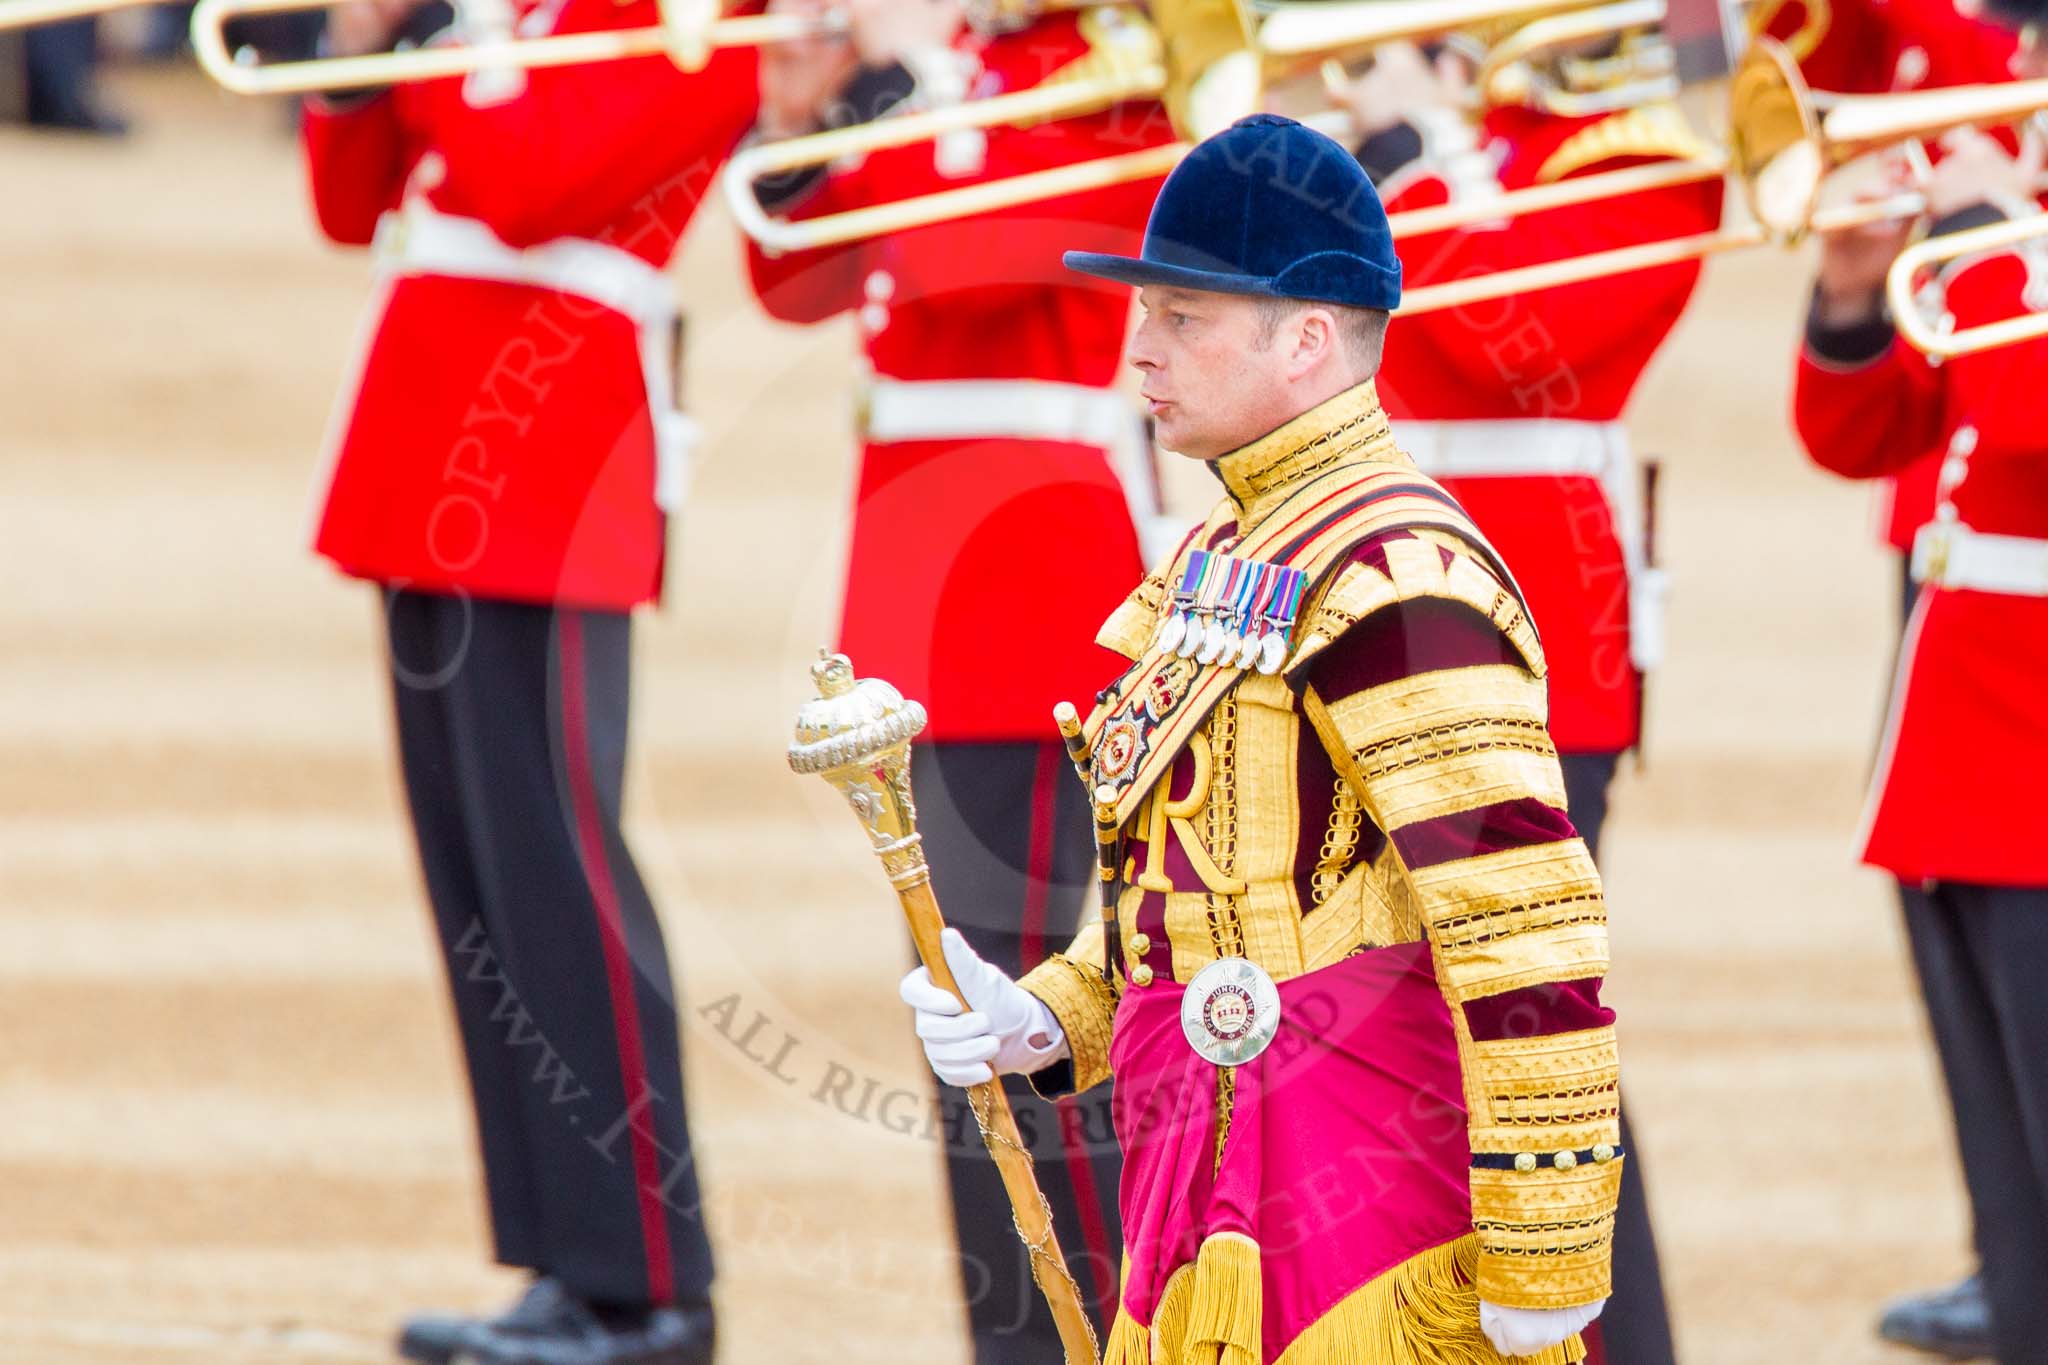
x,y
1073,989
1546,1226
1546,1238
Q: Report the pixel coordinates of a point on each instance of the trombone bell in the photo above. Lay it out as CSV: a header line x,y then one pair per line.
x,y
1784,149
1214,76
1776,140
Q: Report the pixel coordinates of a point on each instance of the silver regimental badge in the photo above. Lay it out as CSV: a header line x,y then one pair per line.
x,y
1230,1012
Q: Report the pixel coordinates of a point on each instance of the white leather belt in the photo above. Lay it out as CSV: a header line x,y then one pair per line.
x,y
1513,449
1949,554
1550,448
1030,410
420,240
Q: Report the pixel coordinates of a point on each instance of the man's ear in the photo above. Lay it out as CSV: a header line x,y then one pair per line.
x,y
1315,339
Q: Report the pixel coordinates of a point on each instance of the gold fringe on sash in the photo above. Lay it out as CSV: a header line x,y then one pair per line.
x,y
1129,1343
1225,1304
1424,1311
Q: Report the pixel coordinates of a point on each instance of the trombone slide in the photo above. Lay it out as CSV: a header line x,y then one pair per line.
x,y
239,73
1940,340
784,235
28,13
1433,298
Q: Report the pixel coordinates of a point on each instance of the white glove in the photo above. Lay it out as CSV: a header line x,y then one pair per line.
x,y
1009,1028
1525,1331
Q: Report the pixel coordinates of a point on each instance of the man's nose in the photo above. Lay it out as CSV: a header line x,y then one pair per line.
x,y
1143,354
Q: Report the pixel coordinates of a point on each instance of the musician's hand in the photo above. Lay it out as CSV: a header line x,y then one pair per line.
x,y
1978,170
1403,79
357,28
800,78
1008,1031
886,31
1853,266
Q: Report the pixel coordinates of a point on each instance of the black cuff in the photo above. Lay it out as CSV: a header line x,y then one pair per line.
x,y
1388,150
1962,220
1848,344
1054,1082
873,92
421,28
1525,1162
349,100
779,194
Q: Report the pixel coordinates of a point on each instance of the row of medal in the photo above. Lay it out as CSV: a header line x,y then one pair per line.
x,y
1233,612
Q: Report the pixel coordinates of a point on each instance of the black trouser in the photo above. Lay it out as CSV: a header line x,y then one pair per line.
x,y
1011,845
61,58
1946,977
1635,1328
512,735
1982,955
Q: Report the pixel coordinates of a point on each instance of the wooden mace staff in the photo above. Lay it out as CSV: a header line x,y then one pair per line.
x,y
856,735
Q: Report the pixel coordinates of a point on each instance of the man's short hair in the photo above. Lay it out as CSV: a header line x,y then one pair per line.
x,y
1364,330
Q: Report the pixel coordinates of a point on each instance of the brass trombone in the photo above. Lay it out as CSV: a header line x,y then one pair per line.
x,y
1939,337
1210,60
689,32
1791,149
1297,37
1127,60
1782,150
1514,71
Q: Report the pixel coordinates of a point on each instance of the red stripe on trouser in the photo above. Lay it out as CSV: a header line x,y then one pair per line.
x,y
618,961
1038,857
1031,949
1088,1203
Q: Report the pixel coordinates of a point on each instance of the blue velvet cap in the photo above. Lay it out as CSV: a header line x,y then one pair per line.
x,y
1270,208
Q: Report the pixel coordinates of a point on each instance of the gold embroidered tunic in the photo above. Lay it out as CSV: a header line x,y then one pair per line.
x,y
1394,784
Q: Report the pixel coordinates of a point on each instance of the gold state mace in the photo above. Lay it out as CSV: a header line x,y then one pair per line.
x,y
856,735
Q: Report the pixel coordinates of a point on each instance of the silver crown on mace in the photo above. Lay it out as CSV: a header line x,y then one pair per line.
x,y
851,720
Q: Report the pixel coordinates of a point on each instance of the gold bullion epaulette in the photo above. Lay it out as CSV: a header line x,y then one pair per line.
x,y
1416,568
1650,130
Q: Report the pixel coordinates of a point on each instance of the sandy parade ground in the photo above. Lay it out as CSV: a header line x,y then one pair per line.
x,y
231,1121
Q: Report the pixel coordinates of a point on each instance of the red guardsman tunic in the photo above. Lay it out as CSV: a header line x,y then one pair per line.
x,y
1516,405
1958,788
499,435
1882,46
950,570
